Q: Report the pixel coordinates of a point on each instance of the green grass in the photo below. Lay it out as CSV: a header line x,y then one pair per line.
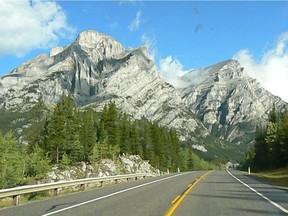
x,y
277,177
8,201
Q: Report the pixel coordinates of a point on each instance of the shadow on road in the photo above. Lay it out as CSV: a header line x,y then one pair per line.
x,y
256,212
62,204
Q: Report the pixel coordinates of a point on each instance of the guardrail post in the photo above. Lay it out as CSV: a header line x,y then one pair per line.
x,y
16,200
56,187
56,191
82,187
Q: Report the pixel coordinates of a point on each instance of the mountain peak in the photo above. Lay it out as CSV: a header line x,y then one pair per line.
x,y
225,70
98,43
230,69
91,37
96,69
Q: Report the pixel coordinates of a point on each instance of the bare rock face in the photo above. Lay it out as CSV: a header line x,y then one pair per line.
x,y
78,68
229,102
96,69
99,46
126,164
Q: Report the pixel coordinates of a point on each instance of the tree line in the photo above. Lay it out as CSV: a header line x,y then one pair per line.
x,y
67,136
271,143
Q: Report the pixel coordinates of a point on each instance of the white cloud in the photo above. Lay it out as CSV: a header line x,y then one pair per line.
x,y
171,70
31,24
134,25
151,43
272,70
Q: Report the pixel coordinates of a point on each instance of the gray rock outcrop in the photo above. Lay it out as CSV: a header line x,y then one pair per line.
x,y
229,102
96,68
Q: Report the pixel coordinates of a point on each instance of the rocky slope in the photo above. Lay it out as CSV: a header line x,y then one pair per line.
x,y
229,102
96,68
125,164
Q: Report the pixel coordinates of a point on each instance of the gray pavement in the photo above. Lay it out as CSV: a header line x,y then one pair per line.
x,y
219,193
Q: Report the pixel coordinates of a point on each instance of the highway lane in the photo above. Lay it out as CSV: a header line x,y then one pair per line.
x,y
220,193
217,193
151,196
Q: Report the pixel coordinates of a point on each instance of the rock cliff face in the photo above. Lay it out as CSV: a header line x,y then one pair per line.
x,y
81,68
95,69
229,102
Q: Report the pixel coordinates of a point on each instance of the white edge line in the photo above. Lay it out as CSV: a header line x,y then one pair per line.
x,y
112,194
261,195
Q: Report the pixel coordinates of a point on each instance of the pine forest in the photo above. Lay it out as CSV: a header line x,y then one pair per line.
x,y
65,136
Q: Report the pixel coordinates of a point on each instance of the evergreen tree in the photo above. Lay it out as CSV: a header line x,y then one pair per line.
x,y
37,163
270,149
112,125
88,132
158,146
249,159
261,148
135,139
125,129
101,133
184,154
72,146
273,115
63,132
146,141
65,161
110,122
69,136
95,156
105,150
35,134
56,142
11,161
283,140
175,150
272,143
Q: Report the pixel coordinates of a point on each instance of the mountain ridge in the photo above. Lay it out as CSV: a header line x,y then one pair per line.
x,y
227,97
96,68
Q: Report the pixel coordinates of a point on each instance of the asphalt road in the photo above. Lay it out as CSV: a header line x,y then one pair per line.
x,y
217,193
222,194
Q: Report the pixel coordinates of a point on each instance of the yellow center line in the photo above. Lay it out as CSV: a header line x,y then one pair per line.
x,y
177,197
176,202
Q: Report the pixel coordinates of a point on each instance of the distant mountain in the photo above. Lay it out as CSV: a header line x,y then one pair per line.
x,y
96,69
228,102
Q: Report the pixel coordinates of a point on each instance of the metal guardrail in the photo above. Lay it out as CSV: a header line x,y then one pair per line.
x,y
17,191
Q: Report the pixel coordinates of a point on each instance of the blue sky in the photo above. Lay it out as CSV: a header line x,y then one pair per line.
x,y
182,35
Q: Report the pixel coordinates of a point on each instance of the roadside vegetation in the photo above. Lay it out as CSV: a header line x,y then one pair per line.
x,y
269,156
66,136
277,177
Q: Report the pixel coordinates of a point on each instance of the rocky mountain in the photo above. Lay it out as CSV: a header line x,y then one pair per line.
x,y
96,68
228,101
